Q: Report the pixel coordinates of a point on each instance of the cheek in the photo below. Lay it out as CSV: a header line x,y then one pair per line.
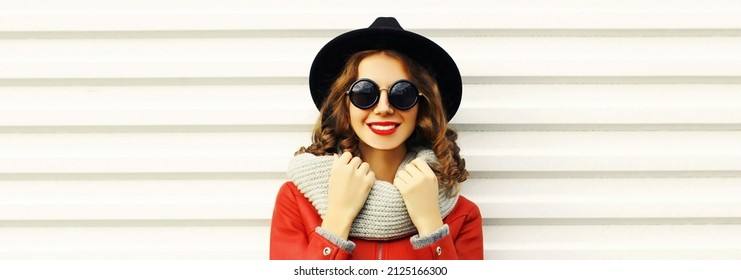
x,y
357,117
411,115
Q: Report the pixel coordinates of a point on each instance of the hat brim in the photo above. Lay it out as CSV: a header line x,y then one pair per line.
x,y
331,59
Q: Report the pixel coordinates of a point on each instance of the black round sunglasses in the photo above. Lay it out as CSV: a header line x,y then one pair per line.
x,y
365,93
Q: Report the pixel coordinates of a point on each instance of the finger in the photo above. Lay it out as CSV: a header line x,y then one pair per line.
x,y
423,167
364,168
342,159
398,182
371,175
413,169
355,162
404,176
370,178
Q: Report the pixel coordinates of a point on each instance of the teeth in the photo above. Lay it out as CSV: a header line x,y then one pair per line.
x,y
383,127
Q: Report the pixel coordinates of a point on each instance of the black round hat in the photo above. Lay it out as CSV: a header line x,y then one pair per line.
x,y
386,33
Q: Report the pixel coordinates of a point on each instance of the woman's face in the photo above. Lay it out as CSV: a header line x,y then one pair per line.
x,y
383,127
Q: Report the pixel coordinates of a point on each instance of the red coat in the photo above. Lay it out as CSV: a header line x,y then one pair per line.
x,y
292,235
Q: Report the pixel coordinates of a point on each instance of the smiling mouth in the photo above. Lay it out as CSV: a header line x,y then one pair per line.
x,y
383,128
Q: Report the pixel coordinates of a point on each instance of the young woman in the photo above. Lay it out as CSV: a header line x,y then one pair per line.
x,y
380,179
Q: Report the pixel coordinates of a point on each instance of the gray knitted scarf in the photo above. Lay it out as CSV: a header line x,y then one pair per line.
x,y
384,215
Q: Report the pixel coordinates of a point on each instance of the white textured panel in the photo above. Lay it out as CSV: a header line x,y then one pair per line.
x,y
613,242
606,198
122,242
157,105
228,15
291,57
623,143
601,104
580,96
138,200
602,151
145,152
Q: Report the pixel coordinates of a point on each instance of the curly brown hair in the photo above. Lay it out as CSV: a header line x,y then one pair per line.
x,y
332,132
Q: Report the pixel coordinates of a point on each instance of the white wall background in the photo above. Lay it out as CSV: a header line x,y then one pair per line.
x,y
161,129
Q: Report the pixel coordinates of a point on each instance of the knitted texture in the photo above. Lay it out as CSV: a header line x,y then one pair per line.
x,y
384,215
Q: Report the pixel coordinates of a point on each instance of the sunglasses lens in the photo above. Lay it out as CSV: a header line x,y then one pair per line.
x,y
364,94
403,95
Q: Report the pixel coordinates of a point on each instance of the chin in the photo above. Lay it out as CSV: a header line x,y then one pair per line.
x,y
384,145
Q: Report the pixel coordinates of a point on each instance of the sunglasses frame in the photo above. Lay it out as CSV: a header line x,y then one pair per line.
x,y
388,91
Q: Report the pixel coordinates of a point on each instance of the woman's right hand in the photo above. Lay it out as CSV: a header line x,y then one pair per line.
x,y
350,183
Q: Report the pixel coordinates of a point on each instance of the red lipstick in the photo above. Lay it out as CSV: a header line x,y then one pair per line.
x,y
383,128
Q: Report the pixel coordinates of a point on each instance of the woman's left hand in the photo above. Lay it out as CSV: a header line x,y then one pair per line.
x,y
419,188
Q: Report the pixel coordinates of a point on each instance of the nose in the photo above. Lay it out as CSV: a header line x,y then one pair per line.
x,y
383,107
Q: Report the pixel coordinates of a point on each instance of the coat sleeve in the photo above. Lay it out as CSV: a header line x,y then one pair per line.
x,y
293,235
469,242
465,240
